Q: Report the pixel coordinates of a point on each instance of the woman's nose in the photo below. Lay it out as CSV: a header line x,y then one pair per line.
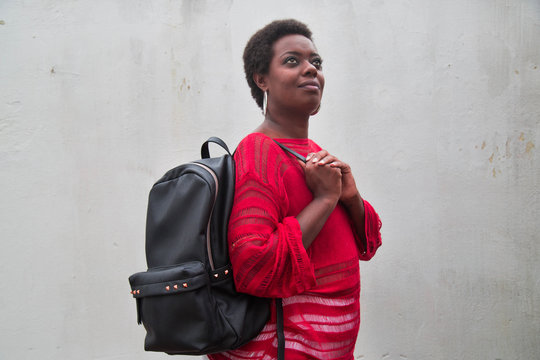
x,y
310,69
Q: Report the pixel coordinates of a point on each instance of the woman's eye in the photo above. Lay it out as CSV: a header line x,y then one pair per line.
x,y
317,63
290,60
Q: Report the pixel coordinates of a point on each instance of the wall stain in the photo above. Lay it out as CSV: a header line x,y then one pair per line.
x,y
55,71
515,148
508,154
184,84
2,22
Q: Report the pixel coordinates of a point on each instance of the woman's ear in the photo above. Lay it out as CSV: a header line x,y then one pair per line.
x,y
260,80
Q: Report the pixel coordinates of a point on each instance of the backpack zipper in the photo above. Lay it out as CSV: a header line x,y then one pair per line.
x,y
208,242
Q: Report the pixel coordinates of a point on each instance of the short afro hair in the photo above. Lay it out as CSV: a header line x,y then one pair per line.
x,y
258,52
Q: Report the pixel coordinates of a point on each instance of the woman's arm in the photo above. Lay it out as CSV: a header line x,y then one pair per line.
x,y
365,220
325,184
356,210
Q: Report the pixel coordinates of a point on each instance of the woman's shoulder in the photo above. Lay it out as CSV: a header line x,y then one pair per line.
x,y
256,145
255,139
258,153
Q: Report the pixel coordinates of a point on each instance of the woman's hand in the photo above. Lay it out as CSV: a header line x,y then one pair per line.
x,y
349,192
323,181
350,197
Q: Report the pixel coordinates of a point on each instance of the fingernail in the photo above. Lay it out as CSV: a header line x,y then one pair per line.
x,y
308,157
314,160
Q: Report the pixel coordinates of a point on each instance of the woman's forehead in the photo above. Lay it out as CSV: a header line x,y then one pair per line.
x,y
294,43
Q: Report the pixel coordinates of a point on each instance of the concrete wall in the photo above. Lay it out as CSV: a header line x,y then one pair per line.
x,y
435,104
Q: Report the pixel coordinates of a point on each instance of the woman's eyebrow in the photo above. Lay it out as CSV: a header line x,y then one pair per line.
x,y
297,53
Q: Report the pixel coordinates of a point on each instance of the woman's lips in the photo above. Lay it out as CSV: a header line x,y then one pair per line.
x,y
310,85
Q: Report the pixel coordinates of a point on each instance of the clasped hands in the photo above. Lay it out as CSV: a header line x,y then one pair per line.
x,y
328,177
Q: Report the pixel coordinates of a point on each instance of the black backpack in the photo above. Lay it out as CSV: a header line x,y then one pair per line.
x,y
186,299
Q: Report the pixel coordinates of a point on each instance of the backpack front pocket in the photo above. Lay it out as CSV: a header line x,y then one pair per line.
x,y
175,307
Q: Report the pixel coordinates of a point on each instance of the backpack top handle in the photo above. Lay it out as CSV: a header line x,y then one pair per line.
x,y
205,153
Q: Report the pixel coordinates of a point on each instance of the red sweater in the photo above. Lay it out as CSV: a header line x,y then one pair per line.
x,y
320,286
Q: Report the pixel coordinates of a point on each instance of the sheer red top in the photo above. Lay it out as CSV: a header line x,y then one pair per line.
x,y
320,286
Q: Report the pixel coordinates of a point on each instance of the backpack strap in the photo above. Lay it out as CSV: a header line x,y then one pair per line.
x,y
205,153
279,302
280,332
296,155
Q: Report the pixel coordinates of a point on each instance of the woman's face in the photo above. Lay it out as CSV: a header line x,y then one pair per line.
x,y
294,81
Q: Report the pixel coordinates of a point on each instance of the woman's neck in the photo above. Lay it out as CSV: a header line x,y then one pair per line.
x,y
293,127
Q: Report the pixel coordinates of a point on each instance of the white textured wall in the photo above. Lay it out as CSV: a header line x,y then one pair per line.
x,y
436,105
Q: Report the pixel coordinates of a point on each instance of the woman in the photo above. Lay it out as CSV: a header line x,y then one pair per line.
x,y
297,230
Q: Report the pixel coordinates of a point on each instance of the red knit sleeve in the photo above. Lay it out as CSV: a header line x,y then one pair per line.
x,y
373,226
266,250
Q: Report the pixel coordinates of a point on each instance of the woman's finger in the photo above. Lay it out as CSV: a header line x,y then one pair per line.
x,y
318,156
328,159
345,168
